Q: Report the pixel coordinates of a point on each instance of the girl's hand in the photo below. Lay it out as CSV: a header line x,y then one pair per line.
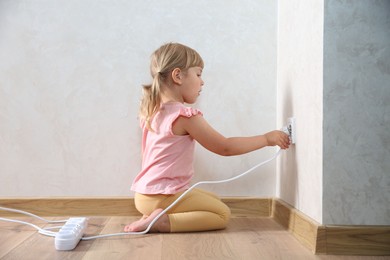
x,y
278,138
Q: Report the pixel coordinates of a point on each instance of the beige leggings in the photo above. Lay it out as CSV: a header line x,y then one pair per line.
x,y
199,210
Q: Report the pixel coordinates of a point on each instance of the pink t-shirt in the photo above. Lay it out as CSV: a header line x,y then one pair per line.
x,y
167,159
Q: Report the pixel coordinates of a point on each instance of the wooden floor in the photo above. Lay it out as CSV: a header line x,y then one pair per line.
x,y
245,238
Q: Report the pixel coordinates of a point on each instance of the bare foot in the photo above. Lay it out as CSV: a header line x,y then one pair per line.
x,y
130,227
162,224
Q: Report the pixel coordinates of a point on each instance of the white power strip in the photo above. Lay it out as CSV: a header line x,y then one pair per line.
x,y
70,233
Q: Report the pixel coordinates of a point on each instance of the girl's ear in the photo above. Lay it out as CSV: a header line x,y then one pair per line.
x,y
177,76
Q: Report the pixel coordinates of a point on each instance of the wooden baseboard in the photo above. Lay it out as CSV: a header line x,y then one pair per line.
x,y
358,240
303,228
71,206
332,240
118,206
340,240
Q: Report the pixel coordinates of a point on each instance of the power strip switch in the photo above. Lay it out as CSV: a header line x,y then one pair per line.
x,y
70,233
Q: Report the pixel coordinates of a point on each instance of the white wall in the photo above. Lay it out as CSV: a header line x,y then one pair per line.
x,y
300,85
70,77
333,76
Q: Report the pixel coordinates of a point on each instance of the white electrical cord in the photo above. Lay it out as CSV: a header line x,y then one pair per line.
x,y
41,230
50,233
31,215
44,231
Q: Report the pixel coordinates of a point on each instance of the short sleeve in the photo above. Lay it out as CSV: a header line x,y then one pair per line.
x,y
189,112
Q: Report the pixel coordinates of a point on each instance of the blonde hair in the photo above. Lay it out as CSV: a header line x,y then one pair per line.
x,y
163,61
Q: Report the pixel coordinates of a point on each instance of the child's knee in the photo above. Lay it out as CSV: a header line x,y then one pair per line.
x,y
225,215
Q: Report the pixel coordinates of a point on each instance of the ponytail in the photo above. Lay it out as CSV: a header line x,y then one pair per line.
x,y
151,100
163,61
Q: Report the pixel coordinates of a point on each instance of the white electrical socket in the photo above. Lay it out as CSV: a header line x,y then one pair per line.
x,y
291,129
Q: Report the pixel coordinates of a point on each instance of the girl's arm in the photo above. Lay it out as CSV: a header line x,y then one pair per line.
x,y
198,128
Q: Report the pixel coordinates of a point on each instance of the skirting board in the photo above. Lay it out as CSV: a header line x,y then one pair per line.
x,y
332,240
118,206
340,240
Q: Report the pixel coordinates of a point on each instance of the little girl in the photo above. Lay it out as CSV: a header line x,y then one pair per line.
x,y
170,130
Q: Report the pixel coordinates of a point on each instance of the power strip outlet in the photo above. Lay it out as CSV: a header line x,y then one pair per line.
x,y
70,233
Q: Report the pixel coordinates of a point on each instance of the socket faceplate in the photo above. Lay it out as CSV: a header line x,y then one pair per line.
x,y
291,129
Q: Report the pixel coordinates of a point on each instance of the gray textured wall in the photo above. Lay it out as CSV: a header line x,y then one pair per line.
x,y
356,155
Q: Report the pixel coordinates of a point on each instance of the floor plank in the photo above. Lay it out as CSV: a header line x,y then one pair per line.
x,y
13,234
202,245
32,247
245,238
124,247
38,246
263,238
